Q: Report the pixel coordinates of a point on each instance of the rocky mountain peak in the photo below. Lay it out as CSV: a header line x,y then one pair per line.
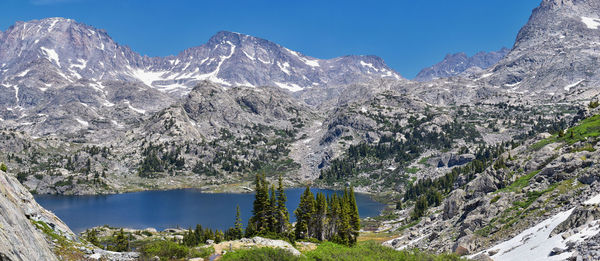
x,y
461,64
558,3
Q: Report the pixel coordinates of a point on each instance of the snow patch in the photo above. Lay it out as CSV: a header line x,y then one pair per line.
x,y
51,54
309,62
82,122
591,23
249,56
23,73
485,75
289,86
512,84
54,21
284,67
147,77
568,87
534,243
133,108
593,200
82,64
369,65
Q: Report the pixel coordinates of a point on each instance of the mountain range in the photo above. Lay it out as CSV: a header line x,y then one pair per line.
x,y
502,146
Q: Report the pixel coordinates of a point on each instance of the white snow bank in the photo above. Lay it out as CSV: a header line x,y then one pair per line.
x,y
591,23
534,243
568,87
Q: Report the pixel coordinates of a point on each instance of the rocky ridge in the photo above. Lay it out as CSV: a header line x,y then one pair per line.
x,y
461,64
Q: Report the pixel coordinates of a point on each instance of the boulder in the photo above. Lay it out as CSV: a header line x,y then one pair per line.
x,y
458,160
454,203
482,184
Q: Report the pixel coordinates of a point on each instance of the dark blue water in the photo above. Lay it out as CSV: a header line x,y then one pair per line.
x,y
172,208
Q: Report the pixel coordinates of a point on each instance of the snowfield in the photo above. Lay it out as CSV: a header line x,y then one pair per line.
x,y
535,243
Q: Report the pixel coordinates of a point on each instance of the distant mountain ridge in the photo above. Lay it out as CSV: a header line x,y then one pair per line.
x,y
80,52
458,63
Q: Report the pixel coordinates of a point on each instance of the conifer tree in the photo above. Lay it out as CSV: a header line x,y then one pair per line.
x,y
354,216
273,210
121,242
320,216
343,226
199,234
266,206
282,211
259,222
190,239
420,208
304,213
333,217
238,229
219,236
92,237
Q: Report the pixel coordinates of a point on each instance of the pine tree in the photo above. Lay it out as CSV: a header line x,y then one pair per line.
x,y
92,237
282,211
199,234
189,238
263,227
354,216
320,216
121,242
238,230
273,211
304,213
258,223
343,226
219,236
333,217
420,208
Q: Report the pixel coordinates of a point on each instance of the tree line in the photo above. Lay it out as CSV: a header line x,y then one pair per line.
x,y
319,217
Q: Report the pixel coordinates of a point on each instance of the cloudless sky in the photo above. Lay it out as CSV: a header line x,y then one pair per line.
x,y
408,34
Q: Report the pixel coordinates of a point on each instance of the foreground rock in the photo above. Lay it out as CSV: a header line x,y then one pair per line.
x,y
19,238
255,242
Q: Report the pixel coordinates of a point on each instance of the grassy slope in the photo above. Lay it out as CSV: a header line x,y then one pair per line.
x,y
329,251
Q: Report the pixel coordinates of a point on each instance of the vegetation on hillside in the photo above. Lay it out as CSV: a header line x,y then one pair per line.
x,y
330,251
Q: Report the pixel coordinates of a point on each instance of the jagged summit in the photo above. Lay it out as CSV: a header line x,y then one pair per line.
x,y
80,52
461,63
555,53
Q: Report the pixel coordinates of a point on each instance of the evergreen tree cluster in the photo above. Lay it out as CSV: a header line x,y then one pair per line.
x,y
402,151
120,242
194,237
328,218
319,217
269,213
160,158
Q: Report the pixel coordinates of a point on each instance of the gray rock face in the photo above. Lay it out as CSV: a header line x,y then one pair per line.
x,y
458,63
19,238
450,160
454,203
555,52
582,215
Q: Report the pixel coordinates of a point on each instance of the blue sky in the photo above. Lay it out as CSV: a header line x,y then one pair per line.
x,y
409,35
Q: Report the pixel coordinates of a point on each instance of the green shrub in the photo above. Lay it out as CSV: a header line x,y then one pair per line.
x,y
164,249
371,251
261,254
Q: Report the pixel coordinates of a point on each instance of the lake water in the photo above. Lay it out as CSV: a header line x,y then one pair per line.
x,y
172,208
